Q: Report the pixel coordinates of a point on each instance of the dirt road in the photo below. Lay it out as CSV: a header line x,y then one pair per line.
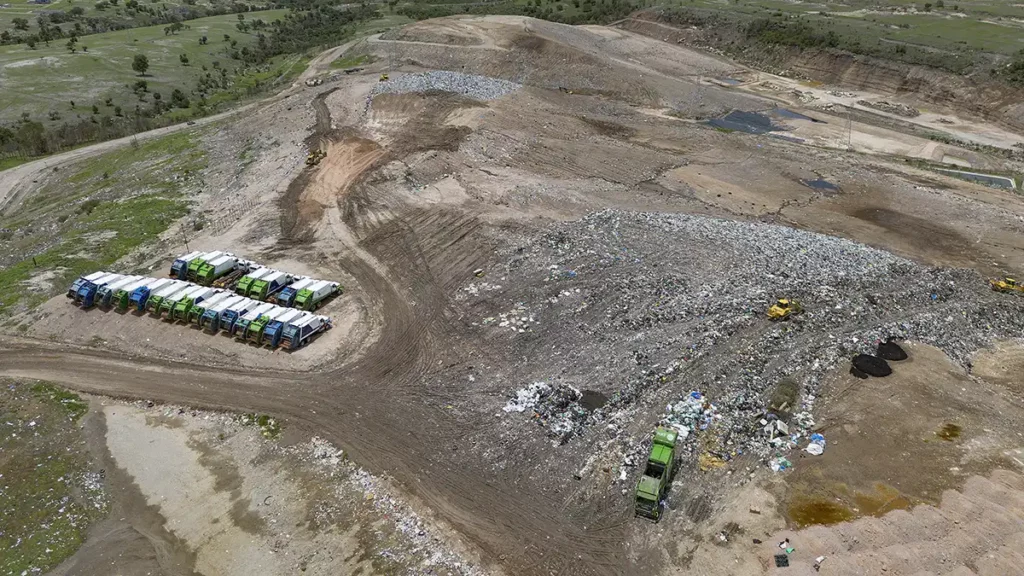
x,y
16,182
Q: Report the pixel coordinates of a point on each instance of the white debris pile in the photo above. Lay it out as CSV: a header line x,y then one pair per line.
x,y
471,85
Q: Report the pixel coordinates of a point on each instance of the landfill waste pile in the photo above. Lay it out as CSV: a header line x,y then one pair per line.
x,y
663,305
557,407
470,85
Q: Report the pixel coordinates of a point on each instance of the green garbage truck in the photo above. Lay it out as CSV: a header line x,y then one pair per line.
x,y
651,487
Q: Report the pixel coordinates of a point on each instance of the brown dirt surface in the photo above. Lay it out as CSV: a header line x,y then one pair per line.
x,y
418,191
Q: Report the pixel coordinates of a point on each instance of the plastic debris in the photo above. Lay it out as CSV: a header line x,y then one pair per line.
x,y
781,561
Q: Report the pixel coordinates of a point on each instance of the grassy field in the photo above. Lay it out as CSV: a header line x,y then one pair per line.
x,y
49,496
117,13
88,216
982,26
47,79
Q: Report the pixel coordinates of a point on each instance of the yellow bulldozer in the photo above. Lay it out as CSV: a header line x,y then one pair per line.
x,y
383,77
784,309
315,157
1007,284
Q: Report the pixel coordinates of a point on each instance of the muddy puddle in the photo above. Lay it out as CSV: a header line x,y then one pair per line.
x,y
844,505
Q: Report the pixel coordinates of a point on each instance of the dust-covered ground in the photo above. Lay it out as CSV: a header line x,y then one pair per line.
x,y
216,493
547,252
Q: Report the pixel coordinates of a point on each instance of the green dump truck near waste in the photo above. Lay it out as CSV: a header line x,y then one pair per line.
x,y
654,482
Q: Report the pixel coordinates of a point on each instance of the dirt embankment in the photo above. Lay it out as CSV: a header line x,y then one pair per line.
x,y
984,97
994,101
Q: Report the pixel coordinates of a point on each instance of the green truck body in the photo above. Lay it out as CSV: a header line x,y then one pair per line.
x,y
657,475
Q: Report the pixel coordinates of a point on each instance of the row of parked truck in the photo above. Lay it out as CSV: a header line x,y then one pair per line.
x,y
211,308
225,270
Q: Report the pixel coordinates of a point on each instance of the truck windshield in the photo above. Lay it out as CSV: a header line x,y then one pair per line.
x,y
654,470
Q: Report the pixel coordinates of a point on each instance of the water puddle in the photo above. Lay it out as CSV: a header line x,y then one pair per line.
x,y
820,184
748,122
592,400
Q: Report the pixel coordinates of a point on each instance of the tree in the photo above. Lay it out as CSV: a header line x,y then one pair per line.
x,y
140,64
117,110
77,11
927,6
202,40
184,59
227,38
178,99
5,37
940,4
31,43
20,23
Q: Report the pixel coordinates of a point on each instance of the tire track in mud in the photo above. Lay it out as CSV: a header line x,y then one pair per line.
x,y
376,408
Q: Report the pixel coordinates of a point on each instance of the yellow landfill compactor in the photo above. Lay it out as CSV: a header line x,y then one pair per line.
x,y
1007,284
783,309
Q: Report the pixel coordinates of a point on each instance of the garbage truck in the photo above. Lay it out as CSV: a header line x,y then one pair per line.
x,y
200,308
140,296
242,324
105,294
246,282
297,334
184,306
197,263
269,285
231,315
157,298
86,297
313,297
120,297
254,332
210,319
286,297
657,474
179,268
272,333
77,284
168,302
212,270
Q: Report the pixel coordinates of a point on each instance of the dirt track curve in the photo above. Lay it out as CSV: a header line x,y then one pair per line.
x,y
375,408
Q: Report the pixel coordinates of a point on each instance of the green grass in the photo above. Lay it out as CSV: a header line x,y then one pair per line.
x,y
48,79
6,163
351,62
118,14
269,426
46,503
93,214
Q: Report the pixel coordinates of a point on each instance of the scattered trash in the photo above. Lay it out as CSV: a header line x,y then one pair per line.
x,y
817,445
817,563
779,464
781,561
756,541
784,544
